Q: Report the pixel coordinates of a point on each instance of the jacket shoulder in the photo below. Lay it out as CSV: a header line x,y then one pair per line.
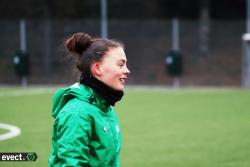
x,y
77,106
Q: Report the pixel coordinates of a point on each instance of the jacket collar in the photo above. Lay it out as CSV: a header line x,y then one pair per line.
x,y
106,92
82,92
93,98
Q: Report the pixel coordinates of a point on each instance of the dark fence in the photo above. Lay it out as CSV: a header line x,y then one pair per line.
x,y
146,42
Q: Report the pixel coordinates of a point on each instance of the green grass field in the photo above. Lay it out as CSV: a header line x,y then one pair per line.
x,y
161,127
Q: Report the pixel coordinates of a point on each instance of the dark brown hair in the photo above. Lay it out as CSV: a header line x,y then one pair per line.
x,y
88,50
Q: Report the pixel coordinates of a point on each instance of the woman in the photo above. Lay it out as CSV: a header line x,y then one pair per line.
x,y
86,131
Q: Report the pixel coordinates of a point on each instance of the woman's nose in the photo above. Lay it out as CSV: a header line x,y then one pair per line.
x,y
127,71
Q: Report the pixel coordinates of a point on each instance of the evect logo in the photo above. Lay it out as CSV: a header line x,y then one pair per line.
x,y
18,156
12,157
31,156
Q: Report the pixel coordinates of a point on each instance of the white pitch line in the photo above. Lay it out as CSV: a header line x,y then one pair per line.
x,y
13,131
27,92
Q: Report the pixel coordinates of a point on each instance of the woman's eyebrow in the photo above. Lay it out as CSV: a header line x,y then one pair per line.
x,y
123,60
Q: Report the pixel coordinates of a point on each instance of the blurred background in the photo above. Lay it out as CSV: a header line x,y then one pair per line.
x,y
199,46
168,42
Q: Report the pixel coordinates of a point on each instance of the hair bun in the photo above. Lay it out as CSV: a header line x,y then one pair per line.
x,y
78,42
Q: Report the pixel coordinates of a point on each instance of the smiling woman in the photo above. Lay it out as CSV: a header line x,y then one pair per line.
x,y
86,130
114,67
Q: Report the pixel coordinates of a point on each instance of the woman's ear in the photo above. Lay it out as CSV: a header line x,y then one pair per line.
x,y
96,69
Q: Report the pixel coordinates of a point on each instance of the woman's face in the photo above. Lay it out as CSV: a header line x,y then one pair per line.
x,y
113,69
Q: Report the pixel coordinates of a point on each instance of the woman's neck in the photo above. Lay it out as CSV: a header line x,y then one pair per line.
x,y
109,94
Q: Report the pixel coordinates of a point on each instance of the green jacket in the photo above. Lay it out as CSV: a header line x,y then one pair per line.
x,y
86,131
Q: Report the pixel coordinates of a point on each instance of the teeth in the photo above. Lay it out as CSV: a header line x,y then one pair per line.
x,y
122,80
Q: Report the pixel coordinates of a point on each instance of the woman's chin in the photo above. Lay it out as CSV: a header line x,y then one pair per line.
x,y
119,88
